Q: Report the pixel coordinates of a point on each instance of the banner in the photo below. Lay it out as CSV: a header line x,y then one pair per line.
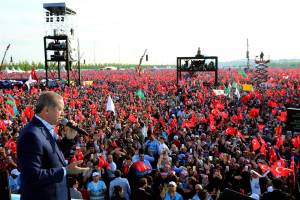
x,y
219,92
247,87
87,83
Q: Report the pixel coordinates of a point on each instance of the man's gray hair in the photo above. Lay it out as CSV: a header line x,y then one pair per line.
x,y
47,99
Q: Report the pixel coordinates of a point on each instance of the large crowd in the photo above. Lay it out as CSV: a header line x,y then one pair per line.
x,y
169,141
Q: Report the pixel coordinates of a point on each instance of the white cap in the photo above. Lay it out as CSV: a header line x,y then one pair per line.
x,y
173,183
175,137
15,172
96,174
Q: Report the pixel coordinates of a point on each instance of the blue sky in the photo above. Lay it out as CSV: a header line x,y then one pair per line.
x,y
120,30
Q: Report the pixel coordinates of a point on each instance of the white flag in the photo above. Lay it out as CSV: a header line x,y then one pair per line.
x,y
237,93
29,82
110,106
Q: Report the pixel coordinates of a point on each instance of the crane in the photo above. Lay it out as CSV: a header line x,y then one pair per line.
x,y
4,55
139,67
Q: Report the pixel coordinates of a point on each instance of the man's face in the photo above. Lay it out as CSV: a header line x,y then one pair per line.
x,y
54,114
96,178
142,157
171,188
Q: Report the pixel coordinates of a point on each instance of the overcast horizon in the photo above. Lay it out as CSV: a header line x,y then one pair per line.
x,y
119,31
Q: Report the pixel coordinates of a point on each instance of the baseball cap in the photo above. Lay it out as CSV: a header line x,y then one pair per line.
x,y
96,174
15,172
173,183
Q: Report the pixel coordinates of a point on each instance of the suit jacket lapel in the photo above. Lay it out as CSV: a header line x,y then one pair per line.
x,y
50,138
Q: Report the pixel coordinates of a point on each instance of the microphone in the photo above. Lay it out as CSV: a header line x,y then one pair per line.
x,y
66,122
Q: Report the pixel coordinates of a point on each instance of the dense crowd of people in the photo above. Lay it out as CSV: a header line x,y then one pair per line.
x,y
169,141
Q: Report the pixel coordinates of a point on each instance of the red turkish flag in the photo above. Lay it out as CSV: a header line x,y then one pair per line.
x,y
212,127
282,92
296,141
132,118
269,93
280,171
11,144
72,104
255,144
141,166
280,163
272,104
33,74
258,95
224,115
174,123
278,131
263,167
260,127
102,163
234,119
29,113
273,155
79,117
262,141
169,130
253,113
245,99
200,98
279,142
154,120
230,131
215,112
190,123
263,149
282,116
219,106
2,125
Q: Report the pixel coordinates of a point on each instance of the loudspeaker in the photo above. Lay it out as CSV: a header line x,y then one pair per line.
x,y
4,187
232,195
147,57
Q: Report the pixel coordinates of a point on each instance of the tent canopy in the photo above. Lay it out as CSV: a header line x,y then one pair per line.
x,y
58,9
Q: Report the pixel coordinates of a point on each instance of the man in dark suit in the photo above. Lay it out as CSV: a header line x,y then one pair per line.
x,y
41,163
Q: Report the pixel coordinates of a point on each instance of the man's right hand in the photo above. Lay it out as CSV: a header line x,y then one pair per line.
x,y
74,169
